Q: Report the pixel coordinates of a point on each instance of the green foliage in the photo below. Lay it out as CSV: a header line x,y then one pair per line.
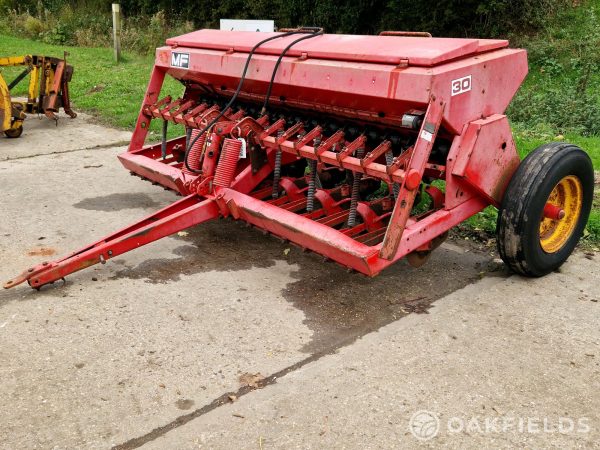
x,y
71,24
562,91
33,26
591,234
144,34
448,17
485,221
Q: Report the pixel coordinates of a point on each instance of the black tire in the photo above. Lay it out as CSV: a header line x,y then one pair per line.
x,y
521,212
14,133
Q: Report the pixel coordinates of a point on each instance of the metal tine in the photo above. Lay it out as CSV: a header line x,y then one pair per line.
x,y
162,102
313,134
238,115
370,157
154,109
276,126
351,148
169,107
400,161
177,116
298,127
191,115
334,139
205,115
263,120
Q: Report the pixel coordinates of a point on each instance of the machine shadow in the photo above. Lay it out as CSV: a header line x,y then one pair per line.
x,y
338,306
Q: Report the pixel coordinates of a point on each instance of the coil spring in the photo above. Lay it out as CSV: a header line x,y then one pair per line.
x,y
312,180
277,169
389,159
230,153
195,153
355,192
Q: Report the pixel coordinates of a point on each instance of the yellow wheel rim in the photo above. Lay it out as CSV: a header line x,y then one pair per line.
x,y
567,195
5,106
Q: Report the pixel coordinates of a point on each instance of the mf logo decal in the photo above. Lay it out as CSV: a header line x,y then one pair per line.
x,y
461,85
180,60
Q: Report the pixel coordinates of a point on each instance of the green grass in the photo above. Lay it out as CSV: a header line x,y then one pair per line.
x,y
113,94
527,141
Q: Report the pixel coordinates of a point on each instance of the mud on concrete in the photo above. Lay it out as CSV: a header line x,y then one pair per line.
x,y
117,202
339,306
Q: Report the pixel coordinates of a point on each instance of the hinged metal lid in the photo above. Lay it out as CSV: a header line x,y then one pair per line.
x,y
396,50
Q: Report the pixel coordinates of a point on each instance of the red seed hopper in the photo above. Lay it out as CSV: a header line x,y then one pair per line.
x,y
364,149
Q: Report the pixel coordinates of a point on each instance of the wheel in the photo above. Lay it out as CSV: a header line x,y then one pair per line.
x,y
545,209
14,132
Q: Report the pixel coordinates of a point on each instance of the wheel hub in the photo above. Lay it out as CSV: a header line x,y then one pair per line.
x,y
561,213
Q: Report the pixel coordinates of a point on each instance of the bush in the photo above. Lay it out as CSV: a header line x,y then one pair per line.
x,y
22,24
66,25
563,88
449,17
33,27
144,35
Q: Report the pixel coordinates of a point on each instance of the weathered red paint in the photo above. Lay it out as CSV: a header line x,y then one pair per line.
x,y
459,87
488,157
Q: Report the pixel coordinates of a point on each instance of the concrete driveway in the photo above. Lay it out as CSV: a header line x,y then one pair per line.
x,y
221,337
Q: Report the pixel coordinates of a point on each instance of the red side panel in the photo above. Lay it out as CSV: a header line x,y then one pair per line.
x,y
488,157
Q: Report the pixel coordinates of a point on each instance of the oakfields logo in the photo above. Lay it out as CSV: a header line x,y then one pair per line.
x,y
426,425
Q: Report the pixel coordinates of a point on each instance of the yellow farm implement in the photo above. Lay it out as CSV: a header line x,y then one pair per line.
x,y
48,91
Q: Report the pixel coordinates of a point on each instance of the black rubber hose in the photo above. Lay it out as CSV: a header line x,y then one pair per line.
x,y
239,88
316,32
